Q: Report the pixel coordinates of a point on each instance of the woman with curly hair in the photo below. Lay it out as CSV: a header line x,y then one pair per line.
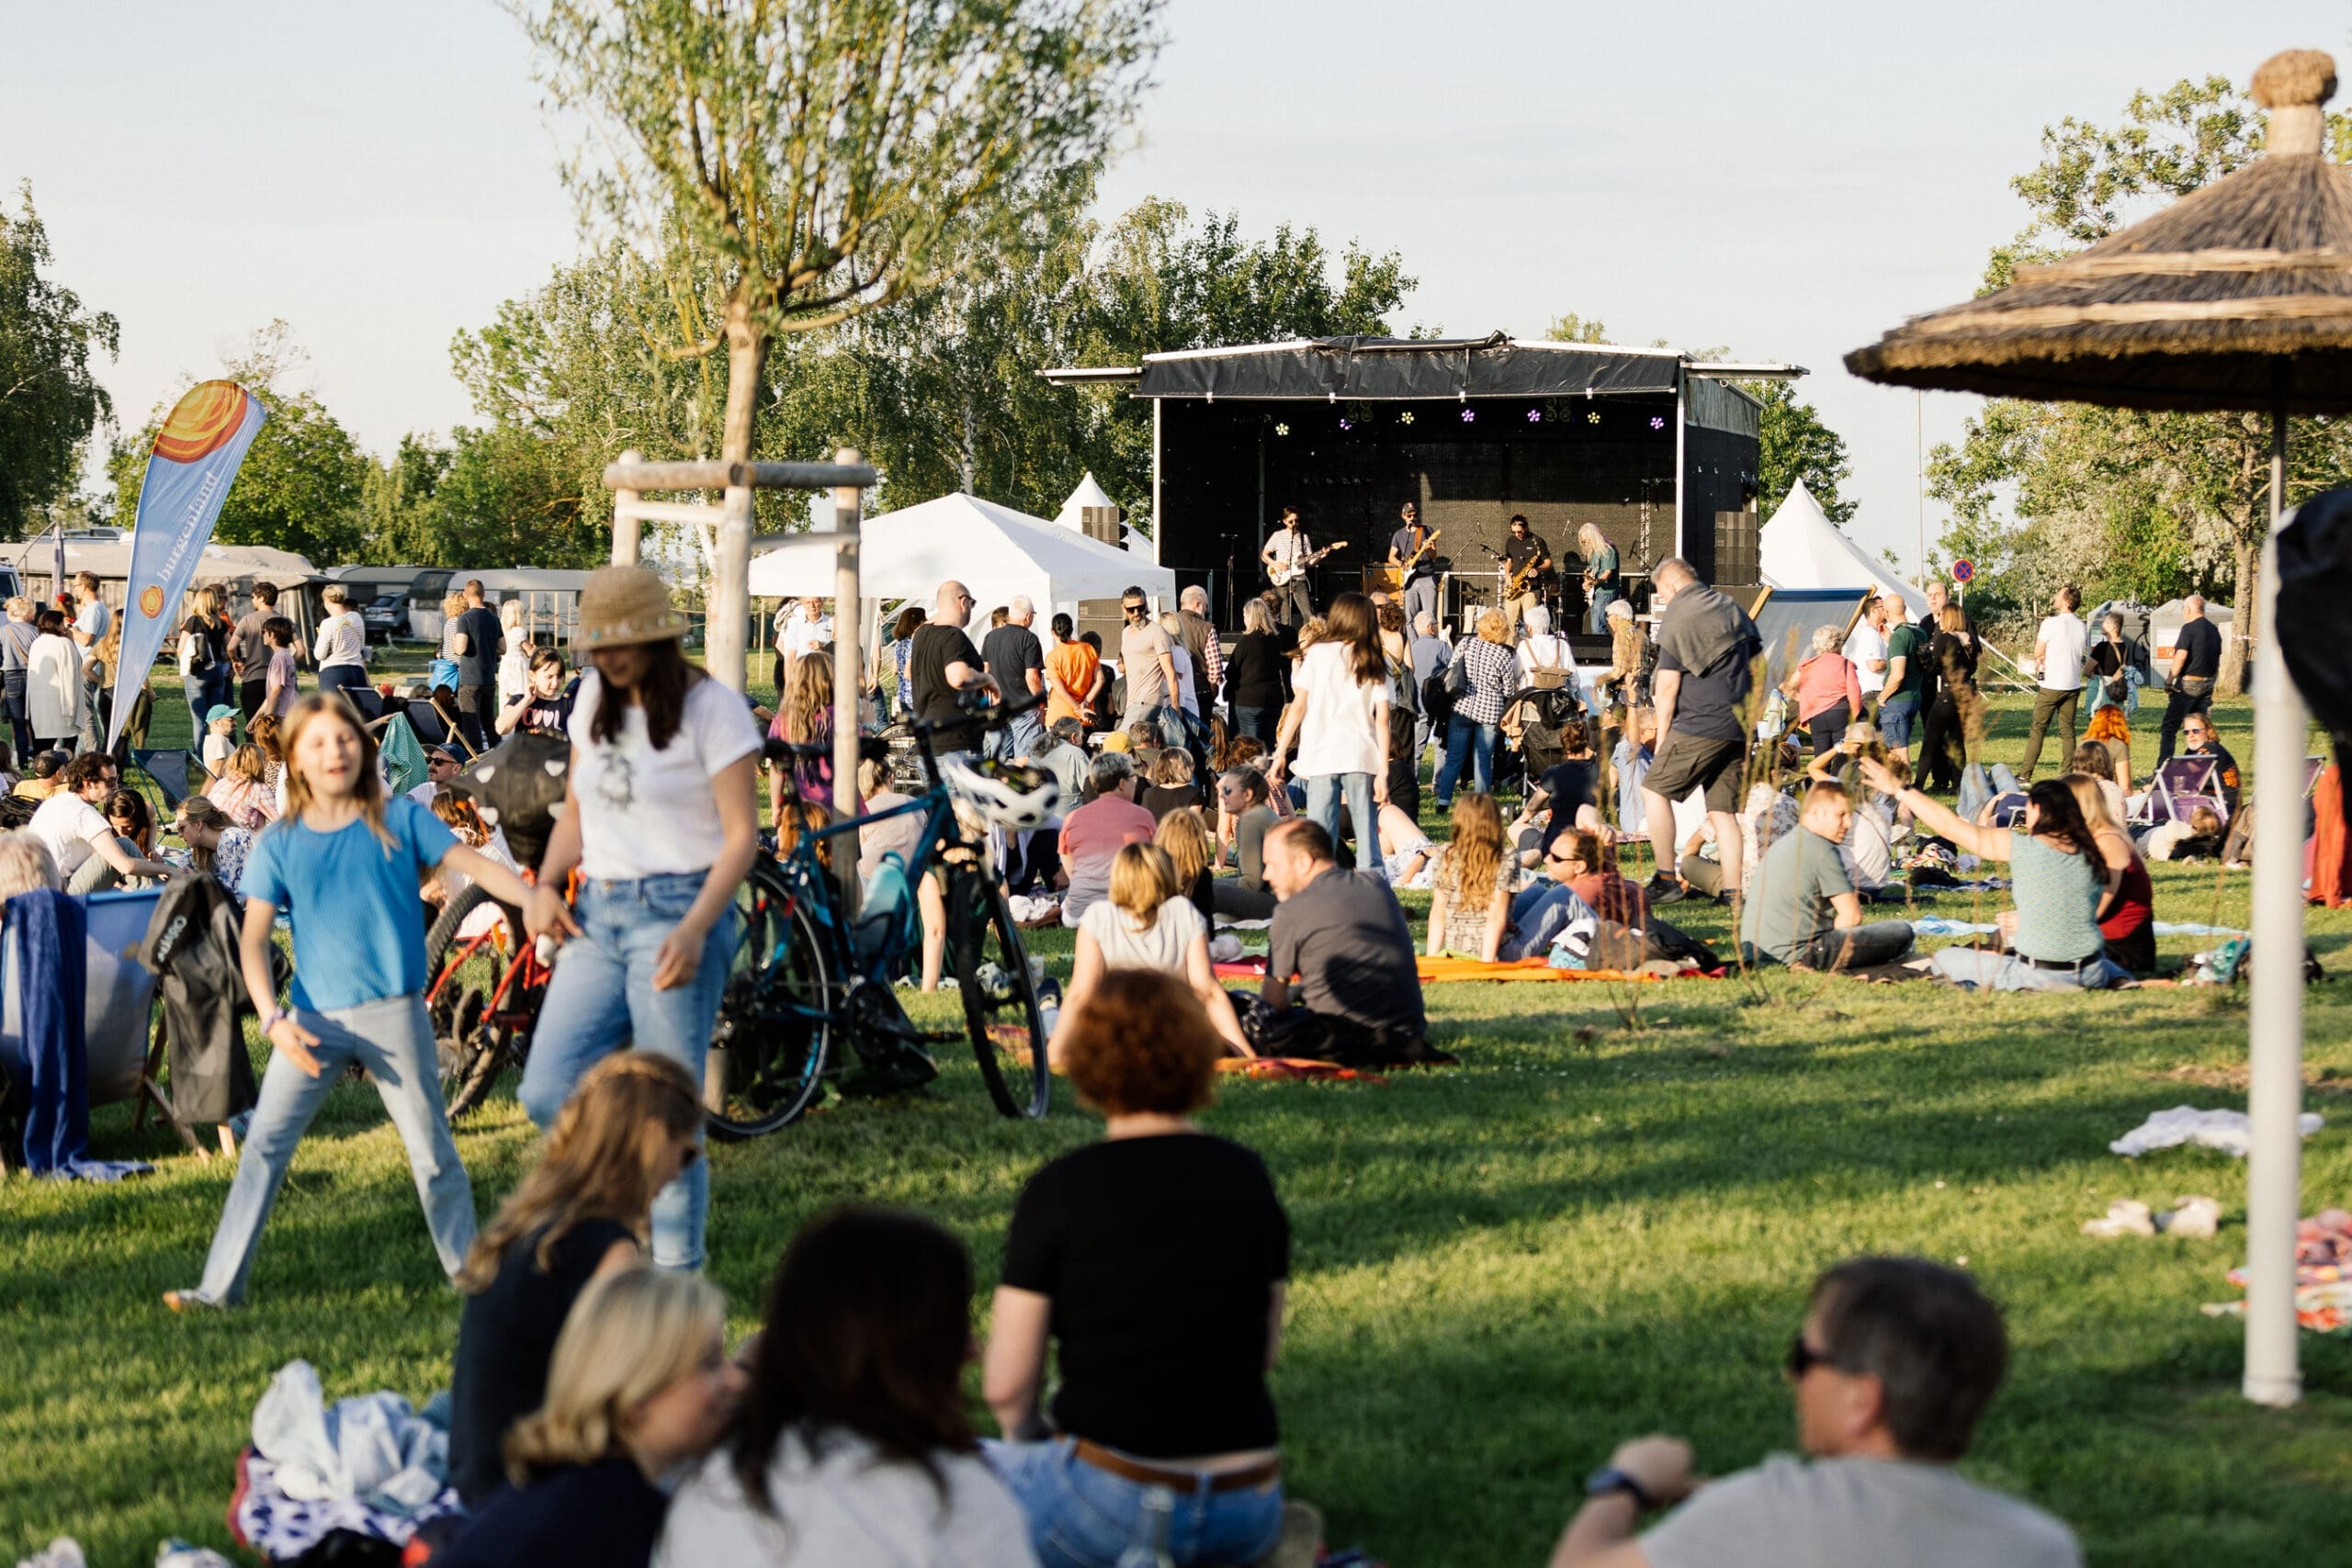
x,y
1472,884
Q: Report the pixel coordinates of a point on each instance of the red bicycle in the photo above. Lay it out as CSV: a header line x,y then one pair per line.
x,y
484,997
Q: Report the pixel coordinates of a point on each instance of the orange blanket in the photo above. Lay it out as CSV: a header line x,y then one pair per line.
x,y
1433,970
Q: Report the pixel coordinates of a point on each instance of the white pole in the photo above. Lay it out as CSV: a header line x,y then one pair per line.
x,y
1919,473
848,630
2275,1017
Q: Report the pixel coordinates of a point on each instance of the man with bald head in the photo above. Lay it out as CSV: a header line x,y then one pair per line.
x,y
1016,663
2188,682
942,662
1201,642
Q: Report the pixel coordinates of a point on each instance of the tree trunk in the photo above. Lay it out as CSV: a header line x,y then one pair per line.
x,y
2237,645
967,455
728,610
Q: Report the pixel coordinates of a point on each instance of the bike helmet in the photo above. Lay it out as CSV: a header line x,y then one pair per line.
x,y
1012,795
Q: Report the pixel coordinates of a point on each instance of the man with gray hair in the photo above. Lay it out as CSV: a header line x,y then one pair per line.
x,y
1017,664
1201,640
1428,654
1092,836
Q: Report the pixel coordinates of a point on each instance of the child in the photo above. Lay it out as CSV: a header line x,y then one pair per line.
x,y
242,788
278,694
220,732
343,864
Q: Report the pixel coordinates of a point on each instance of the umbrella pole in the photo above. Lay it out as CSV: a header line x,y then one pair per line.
x,y
2275,1022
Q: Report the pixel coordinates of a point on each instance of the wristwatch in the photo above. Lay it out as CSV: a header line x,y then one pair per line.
x,y
1609,1478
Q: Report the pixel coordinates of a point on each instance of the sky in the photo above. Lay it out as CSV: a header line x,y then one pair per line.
x,y
1787,181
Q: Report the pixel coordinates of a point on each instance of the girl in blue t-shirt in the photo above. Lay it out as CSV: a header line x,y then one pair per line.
x,y
343,863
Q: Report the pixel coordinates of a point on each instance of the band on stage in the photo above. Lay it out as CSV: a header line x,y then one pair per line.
x,y
1525,574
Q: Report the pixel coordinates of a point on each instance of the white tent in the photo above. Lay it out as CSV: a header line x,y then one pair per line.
x,y
993,550
1089,494
1800,547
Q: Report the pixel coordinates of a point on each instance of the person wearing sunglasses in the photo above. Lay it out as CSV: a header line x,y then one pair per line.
x,y
1148,661
1891,1371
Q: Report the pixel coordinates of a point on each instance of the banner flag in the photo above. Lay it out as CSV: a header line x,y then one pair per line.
x,y
57,563
196,457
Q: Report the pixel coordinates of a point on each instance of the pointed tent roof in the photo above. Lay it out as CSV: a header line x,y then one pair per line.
x,y
993,550
1088,493
1800,547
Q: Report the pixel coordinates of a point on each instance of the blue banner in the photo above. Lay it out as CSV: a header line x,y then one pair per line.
x,y
196,457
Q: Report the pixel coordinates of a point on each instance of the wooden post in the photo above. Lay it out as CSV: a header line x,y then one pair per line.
x,y
626,529
727,609
848,635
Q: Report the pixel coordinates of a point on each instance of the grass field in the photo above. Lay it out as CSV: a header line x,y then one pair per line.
x,y
1601,1223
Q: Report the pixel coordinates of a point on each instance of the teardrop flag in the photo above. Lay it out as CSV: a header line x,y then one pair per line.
x,y
196,457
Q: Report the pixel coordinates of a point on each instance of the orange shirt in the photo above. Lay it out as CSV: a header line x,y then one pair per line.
x,y
1069,667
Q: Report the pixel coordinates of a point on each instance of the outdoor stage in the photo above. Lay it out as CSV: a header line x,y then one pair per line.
x,y
1660,453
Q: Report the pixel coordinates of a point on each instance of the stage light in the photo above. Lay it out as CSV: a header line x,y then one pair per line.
x,y
1344,423
1284,429
1593,418
1404,418
1534,416
1658,421
1469,416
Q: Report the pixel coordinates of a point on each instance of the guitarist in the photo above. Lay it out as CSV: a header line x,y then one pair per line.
x,y
1406,552
1287,552
1527,558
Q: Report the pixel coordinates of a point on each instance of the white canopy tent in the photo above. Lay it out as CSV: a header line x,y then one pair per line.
x,y
1800,547
993,550
1089,494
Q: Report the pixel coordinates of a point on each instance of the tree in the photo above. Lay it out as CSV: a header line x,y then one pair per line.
x,y
797,166
1573,328
1797,446
49,404
2122,502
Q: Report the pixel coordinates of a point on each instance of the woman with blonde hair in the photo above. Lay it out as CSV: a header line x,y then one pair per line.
x,y
580,1213
639,1390
344,863
242,788
1193,857
339,647
514,664
1472,882
215,843
2127,906
804,718
1483,676
1340,720
1148,923
1601,584
1172,789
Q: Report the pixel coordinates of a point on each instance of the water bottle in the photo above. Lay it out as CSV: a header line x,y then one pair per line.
x,y
1147,1547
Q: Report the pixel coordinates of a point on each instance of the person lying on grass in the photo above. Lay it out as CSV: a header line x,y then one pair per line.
x,y
1803,910
582,1213
2057,875
1891,1371
640,1389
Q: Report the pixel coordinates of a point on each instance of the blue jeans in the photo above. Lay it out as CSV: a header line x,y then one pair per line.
x,y
1262,723
1080,1516
1023,736
1466,737
602,997
1595,612
340,677
199,700
1896,717
1992,971
393,1040
1324,793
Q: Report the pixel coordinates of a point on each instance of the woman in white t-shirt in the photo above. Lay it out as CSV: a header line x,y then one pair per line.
x,y
660,819
514,664
1339,717
340,649
1148,923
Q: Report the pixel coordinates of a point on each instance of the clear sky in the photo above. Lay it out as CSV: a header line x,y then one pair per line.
x,y
1786,180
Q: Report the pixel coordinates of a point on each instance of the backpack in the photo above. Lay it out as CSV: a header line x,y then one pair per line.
x,y
1437,698
1549,676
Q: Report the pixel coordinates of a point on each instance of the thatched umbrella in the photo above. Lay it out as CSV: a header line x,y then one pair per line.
x,y
2239,295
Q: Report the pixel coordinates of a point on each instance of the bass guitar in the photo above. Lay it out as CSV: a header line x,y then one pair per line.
x,y
1283,576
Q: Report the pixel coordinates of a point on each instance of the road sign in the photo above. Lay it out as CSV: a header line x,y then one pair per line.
x,y
1963,571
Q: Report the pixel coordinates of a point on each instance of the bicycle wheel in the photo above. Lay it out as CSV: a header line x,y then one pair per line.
x,y
775,1023
465,974
1000,994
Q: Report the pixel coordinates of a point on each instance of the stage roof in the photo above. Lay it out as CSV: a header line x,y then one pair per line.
x,y
1378,369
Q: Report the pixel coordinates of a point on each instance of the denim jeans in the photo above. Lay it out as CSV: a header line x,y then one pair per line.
x,y
1263,723
602,997
1466,737
1595,612
393,1039
1895,719
1855,947
1325,792
1023,735
1992,971
339,677
199,702
1080,1516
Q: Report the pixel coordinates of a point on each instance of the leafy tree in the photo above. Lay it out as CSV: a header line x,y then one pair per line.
x,y
2125,503
1573,328
1797,446
396,497
797,166
48,403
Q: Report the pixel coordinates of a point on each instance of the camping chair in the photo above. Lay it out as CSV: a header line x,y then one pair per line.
x,y
2180,787
169,772
431,730
367,700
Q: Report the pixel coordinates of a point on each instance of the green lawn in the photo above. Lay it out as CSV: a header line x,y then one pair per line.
x,y
1601,1223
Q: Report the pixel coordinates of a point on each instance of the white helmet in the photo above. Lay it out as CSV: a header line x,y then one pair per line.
x,y
1012,795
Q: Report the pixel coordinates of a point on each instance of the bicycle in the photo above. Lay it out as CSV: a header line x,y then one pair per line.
x,y
812,978
483,997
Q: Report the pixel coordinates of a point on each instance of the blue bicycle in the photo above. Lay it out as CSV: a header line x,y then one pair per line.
x,y
813,996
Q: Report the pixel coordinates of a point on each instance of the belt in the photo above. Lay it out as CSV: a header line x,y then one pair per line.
x,y
1120,1465
2058,963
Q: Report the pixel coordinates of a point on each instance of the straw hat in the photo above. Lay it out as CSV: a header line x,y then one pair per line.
x,y
624,605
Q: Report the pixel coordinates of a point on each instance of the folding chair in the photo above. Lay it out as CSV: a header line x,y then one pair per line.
x,y
174,773
2183,784
431,729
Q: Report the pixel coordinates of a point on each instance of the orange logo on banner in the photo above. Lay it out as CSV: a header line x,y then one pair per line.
x,y
202,421
151,602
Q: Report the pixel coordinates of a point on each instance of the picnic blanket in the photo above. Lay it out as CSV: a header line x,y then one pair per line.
x,y
1432,971
1294,1068
1250,968
2227,1130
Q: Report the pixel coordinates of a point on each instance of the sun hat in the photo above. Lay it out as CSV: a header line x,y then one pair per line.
x,y
624,605
220,711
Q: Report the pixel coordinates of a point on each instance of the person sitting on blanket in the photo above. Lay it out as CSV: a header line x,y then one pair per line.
x,y
2203,741
1869,848
1586,907
2094,761
1148,923
1092,836
1405,849
1802,909
1341,935
2057,877
1471,883
1893,1366
1242,805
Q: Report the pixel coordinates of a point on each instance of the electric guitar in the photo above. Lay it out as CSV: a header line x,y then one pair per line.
x,y
1412,563
1283,576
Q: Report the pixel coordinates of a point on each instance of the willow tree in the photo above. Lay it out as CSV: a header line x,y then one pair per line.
x,y
796,162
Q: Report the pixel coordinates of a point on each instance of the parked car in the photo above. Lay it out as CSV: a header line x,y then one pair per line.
x,y
385,616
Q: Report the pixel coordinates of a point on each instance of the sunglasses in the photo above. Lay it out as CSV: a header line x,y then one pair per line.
x,y
1803,1358
1132,609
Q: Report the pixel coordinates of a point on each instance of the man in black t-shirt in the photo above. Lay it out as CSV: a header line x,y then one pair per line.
x,y
942,662
480,641
1418,566
2189,684
1017,664
1343,934
1930,626
1524,548
1706,653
